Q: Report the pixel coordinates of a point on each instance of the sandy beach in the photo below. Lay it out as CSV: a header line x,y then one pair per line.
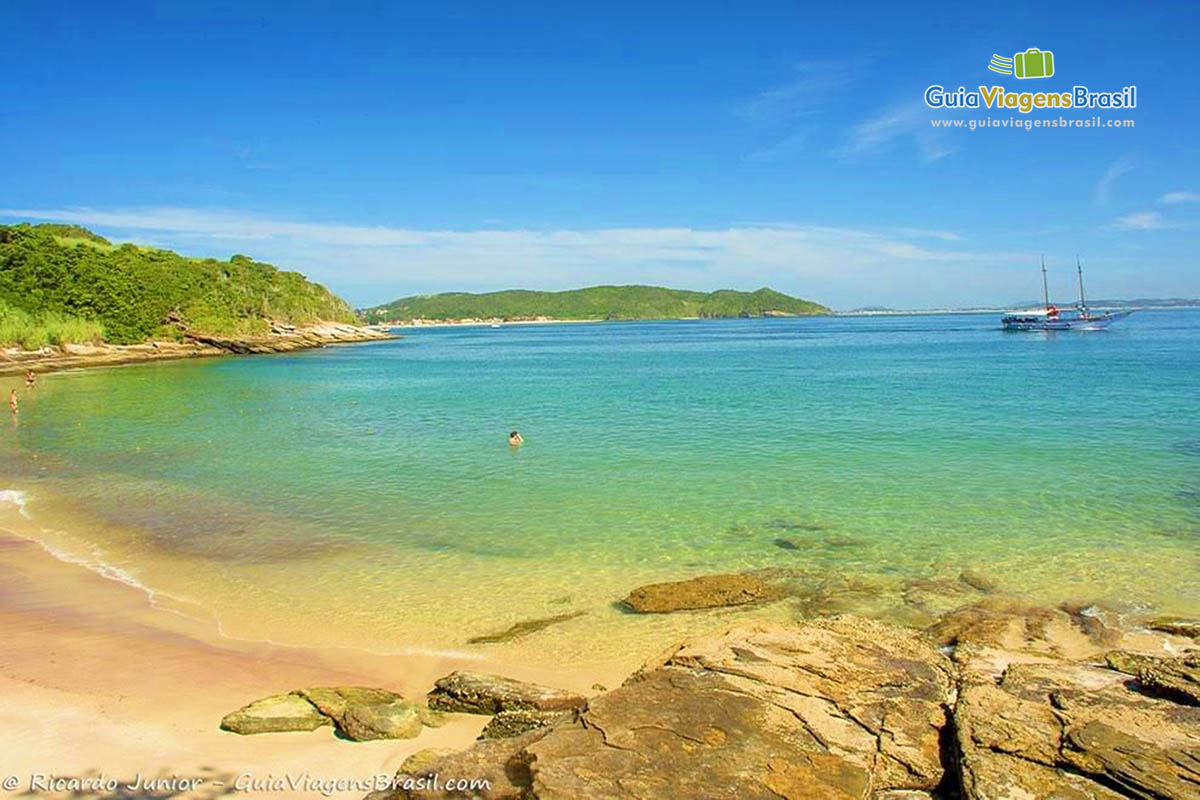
x,y
100,688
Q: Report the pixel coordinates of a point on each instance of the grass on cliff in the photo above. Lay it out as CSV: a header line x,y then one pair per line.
x,y
31,332
63,281
595,303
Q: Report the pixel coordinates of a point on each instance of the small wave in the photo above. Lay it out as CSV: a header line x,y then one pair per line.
x,y
13,497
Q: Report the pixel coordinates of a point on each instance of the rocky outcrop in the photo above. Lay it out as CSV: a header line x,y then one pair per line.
x,y
835,708
285,338
706,591
276,714
358,712
282,338
1177,626
1074,731
849,707
481,693
1175,678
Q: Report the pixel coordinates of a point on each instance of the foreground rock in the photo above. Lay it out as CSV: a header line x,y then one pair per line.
x,y
359,713
854,708
706,591
836,708
1176,679
276,714
481,693
515,723
362,714
1074,731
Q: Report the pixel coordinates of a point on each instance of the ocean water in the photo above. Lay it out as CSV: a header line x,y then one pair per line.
x,y
366,496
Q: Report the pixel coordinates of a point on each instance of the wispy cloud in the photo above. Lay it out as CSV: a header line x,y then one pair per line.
x,y
376,263
787,114
897,125
1142,221
1175,198
1102,193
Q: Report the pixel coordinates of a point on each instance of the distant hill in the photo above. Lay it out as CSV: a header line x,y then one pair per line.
x,y
594,303
61,284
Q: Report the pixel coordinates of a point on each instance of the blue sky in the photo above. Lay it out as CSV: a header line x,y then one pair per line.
x,y
392,149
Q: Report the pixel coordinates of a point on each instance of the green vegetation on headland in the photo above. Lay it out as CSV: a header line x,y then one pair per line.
x,y
594,303
61,284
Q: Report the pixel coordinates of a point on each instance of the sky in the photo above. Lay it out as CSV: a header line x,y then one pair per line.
x,y
390,149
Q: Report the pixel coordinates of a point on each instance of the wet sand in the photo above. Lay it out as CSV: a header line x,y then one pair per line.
x,y
94,681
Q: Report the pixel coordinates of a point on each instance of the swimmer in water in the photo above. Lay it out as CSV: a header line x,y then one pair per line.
x,y
30,379
515,439
12,401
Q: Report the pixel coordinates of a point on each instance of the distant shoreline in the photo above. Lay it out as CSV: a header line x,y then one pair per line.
x,y
14,361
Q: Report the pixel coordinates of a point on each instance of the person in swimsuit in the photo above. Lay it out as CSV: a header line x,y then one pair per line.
x,y
515,439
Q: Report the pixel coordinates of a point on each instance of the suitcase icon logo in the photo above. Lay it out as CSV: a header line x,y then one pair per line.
x,y
1033,63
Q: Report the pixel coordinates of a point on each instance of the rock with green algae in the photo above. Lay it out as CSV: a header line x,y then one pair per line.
x,y
359,713
275,714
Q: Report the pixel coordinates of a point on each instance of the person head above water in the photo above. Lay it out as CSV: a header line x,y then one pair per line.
x,y
515,438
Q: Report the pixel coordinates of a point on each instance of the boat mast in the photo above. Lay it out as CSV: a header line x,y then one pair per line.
x,y
1045,286
1079,269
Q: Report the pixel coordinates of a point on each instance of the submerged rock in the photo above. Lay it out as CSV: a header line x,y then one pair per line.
x,y
706,591
525,628
1176,626
276,714
977,580
480,693
790,525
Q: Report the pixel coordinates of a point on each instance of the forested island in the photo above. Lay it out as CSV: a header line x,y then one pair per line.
x,y
593,303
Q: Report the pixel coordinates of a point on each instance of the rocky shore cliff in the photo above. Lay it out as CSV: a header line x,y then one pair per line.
x,y
282,338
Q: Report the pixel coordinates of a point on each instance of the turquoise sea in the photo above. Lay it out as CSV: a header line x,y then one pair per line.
x,y
366,495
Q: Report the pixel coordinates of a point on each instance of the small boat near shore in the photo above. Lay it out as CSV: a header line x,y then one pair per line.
x,y
1052,318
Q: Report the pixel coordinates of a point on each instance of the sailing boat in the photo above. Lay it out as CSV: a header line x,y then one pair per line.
x,y
1056,319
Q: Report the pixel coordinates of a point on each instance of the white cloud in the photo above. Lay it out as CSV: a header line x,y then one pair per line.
x,y
1104,186
898,124
370,264
1175,198
1142,221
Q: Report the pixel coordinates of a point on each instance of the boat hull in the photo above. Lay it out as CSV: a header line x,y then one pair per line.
x,y
1090,322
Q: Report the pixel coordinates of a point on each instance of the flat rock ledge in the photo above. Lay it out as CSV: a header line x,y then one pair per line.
x,y
282,338
849,707
358,713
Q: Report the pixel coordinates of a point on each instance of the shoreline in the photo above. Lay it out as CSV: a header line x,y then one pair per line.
x,y
85,650
282,339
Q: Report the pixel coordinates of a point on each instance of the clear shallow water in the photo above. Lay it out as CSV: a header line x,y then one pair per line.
x,y
366,495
